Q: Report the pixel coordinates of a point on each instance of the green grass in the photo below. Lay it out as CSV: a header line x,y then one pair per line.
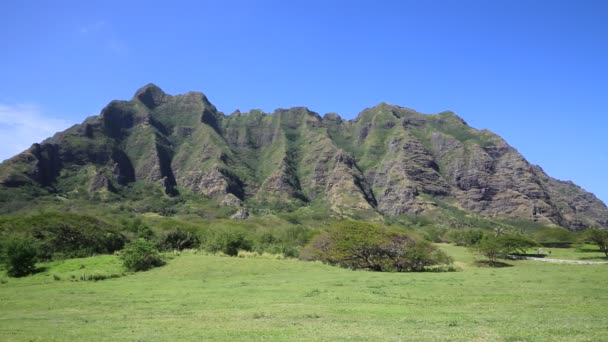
x,y
579,252
206,297
103,266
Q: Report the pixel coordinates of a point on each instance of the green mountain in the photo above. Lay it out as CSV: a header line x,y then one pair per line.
x,y
389,161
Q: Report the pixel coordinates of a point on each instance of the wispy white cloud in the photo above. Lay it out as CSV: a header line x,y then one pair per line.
x,y
94,27
116,45
21,125
104,33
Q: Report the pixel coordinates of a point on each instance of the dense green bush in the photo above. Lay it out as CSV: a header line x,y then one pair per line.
x,y
177,240
19,256
66,235
271,243
463,236
433,233
360,245
229,242
137,229
287,251
295,236
489,248
69,241
599,237
140,255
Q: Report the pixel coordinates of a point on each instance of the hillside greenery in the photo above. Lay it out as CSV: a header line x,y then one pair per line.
x,y
180,157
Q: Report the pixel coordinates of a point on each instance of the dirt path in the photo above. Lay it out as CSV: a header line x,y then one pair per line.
x,y
581,262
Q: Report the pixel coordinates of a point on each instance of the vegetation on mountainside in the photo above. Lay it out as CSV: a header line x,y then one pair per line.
x,y
176,155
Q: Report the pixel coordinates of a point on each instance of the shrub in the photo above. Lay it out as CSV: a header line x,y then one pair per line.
x,y
72,240
140,255
98,276
66,235
359,245
177,239
267,239
464,236
137,228
599,237
229,243
295,235
20,256
489,248
433,233
289,252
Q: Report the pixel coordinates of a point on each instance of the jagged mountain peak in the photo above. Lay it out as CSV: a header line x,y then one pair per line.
x,y
150,95
390,160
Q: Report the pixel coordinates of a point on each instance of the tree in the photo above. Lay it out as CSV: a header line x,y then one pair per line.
x,y
515,243
464,236
600,238
177,239
502,246
140,255
360,245
229,243
490,248
20,256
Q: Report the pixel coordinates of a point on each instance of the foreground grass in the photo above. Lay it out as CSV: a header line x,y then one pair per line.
x,y
206,297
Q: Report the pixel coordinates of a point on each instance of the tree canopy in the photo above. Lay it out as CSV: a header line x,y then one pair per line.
x,y
361,245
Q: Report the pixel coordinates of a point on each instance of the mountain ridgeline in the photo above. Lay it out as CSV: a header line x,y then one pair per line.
x,y
388,161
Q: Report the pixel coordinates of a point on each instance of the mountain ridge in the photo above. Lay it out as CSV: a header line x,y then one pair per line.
x,y
388,161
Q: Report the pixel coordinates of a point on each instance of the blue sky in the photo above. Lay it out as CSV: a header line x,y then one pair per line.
x,y
534,72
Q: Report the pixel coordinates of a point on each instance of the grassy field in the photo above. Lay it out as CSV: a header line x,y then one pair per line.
x,y
580,252
207,297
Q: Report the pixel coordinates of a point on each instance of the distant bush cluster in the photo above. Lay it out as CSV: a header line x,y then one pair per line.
x,y
61,235
140,255
361,245
65,235
229,243
19,255
176,239
27,239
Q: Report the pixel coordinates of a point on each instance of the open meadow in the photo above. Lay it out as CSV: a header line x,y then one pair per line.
x,y
199,296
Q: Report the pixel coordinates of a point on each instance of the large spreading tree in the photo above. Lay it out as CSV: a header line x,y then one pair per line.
x,y
362,245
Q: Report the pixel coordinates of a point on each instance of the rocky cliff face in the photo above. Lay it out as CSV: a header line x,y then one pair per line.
x,y
388,161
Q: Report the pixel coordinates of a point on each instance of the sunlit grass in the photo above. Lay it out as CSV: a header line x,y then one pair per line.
x,y
208,297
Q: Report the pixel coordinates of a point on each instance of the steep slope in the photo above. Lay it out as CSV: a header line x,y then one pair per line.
x,y
390,161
